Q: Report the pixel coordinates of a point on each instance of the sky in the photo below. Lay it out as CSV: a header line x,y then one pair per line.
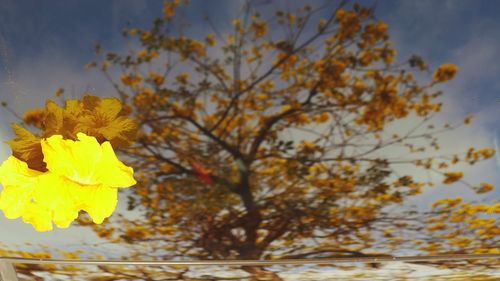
x,y
44,46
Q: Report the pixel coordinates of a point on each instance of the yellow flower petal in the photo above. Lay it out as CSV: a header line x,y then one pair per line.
x,y
16,172
54,193
72,159
108,109
38,216
98,201
111,171
18,184
86,162
13,201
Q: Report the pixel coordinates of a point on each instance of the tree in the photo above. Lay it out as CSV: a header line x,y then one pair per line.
x,y
259,145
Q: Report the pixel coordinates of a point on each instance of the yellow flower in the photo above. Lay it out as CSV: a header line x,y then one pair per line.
x,y
260,29
85,161
91,171
105,120
169,7
131,80
55,196
158,79
82,175
38,216
182,77
445,72
142,54
452,177
18,184
484,187
308,146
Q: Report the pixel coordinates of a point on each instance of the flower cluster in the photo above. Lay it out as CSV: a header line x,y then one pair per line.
x,y
70,165
445,72
81,175
104,118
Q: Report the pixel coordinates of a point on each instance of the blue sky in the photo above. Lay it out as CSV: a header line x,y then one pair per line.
x,y
44,45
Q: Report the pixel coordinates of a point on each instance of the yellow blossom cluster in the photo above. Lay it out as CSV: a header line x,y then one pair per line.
x,y
445,72
210,40
131,80
452,177
156,78
169,8
147,55
374,32
106,119
70,165
474,155
259,28
81,175
349,23
460,218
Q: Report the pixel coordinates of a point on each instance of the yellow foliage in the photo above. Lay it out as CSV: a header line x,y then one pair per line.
x,y
34,117
182,77
462,242
448,202
169,7
321,118
146,35
484,187
210,39
468,119
349,23
374,32
494,209
259,28
452,177
59,92
437,226
307,146
142,54
158,79
131,80
445,72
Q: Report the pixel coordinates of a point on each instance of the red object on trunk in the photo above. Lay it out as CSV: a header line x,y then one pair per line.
x,y
202,173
